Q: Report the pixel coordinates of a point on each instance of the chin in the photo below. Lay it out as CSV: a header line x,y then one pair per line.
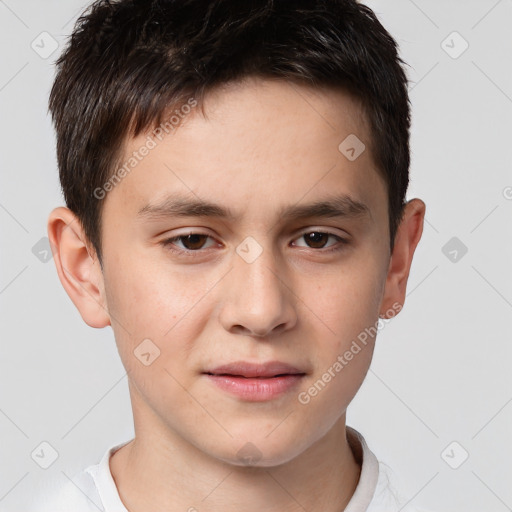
x,y
260,451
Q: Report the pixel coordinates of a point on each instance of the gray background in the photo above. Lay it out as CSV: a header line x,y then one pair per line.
x,y
441,368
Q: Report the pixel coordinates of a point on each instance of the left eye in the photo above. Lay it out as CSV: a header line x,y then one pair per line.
x,y
318,238
193,242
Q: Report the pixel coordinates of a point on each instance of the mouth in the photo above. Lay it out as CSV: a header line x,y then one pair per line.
x,y
255,382
248,370
253,376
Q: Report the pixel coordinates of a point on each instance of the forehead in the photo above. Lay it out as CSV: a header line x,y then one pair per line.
x,y
263,145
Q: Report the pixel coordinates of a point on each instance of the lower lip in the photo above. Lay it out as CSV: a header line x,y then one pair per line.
x,y
256,389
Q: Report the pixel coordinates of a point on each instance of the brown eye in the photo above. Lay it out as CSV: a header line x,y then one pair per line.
x,y
194,241
318,240
191,242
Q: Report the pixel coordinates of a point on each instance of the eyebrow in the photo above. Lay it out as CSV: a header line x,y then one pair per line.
x,y
177,205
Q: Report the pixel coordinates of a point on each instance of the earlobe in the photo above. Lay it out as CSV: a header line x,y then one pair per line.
x,y
79,272
407,238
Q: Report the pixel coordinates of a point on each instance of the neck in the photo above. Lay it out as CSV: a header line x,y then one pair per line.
x,y
163,472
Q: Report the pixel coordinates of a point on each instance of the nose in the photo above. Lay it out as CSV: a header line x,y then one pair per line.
x,y
258,299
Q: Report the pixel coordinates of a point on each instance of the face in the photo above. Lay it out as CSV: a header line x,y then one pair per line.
x,y
190,289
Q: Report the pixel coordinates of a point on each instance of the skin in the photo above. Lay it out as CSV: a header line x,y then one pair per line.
x,y
264,145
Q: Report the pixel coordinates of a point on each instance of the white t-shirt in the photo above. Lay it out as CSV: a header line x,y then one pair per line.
x,y
94,489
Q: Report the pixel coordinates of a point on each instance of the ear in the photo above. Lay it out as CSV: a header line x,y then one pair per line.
x,y
78,267
407,237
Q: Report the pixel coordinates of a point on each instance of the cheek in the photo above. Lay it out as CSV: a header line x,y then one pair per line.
x,y
347,302
147,302
347,308
329,392
146,298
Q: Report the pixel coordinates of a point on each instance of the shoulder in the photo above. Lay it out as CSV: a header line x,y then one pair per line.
x,y
387,490
78,494
379,489
388,496
90,490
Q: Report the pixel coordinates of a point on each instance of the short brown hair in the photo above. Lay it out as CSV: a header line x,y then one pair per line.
x,y
128,62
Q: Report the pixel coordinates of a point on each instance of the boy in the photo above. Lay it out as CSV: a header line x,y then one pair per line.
x,y
234,174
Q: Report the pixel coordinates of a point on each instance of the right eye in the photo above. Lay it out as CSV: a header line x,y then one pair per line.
x,y
192,242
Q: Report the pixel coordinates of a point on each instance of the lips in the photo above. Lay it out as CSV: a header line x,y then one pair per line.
x,y
254,370
253,382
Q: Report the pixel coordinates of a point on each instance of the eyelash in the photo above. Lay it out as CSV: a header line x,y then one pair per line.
x,y
169,243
